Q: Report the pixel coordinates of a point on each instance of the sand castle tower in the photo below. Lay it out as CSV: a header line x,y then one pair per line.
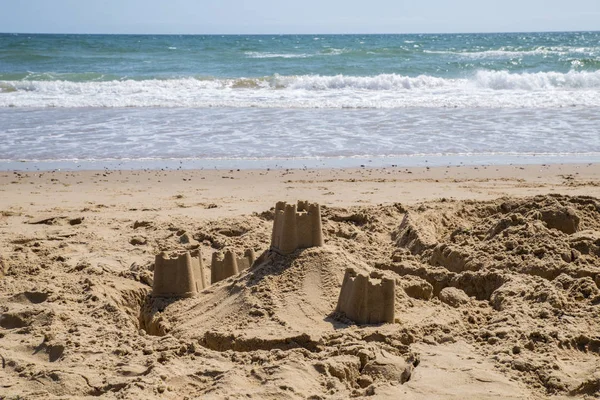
x,y
367,300
178,275
296,227
225,265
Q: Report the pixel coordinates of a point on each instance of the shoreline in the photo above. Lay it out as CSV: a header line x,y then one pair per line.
x,y
407,161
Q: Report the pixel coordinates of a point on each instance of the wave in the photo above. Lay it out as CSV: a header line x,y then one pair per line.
x,y
323,52
502,80
483,89
506,52
257,54
59,76
379,82
494,80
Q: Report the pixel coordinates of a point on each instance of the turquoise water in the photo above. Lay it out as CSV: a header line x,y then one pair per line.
x,y
286,97
81,58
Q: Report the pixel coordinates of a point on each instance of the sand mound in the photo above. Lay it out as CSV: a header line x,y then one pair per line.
x,y
495,299
534,261
281,291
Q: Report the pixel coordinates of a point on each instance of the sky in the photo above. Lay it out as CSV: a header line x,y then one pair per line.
x,y
300,16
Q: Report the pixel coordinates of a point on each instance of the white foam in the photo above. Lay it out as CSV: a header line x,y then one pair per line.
x,y
256,54
506,52
251,133
502,80
492,89
379,82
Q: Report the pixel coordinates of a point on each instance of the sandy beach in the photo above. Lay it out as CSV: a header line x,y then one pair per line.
x,y
497,273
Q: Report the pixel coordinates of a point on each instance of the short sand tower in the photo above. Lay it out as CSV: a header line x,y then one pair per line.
x,y
366,301
178,275
296,227
225,265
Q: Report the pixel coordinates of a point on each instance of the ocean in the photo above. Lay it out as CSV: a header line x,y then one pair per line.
x,y
206,101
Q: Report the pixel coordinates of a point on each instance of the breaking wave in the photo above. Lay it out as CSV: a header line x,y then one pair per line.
x,y
483,89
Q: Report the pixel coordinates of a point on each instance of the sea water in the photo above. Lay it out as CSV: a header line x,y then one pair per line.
x,y
198,101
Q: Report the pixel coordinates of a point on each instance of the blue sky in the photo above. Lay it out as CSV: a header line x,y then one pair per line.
x,y
300,16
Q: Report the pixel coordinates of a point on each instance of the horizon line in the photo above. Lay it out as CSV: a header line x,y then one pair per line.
x,y
300,34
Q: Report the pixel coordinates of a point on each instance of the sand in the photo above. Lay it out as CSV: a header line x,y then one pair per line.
x,y
496,271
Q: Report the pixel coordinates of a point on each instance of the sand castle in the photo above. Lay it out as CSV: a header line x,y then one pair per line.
x,y
181,275
365,301
296,227
225,265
